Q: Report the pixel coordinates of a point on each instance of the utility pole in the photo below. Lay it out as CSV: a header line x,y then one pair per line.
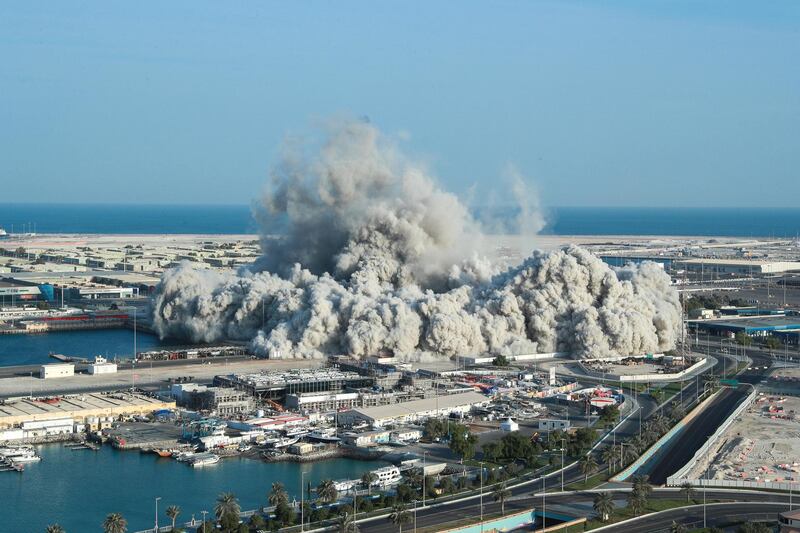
x,y
156,530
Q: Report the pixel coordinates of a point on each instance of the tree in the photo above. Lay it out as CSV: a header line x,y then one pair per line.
x,y
603,505
400,516
754,527
500,360
743,338
435,428
284,513
642,484
609,415
587,465
501,494
55,528
327,492
205,527
368,479
636,502
227,510
462,442
677,527
687,489
277,494
447,485
114,523
404,492
609,456
172,513
346,523
257,522
772,343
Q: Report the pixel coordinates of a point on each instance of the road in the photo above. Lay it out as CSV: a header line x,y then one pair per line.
x,y
582,502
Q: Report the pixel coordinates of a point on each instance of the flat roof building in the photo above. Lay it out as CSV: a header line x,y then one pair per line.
x,y
414,410
740,267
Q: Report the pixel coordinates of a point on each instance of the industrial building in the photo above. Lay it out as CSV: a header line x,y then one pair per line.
x,y
413,411
737,267
276,385
56,370
224,401
78,408
755,326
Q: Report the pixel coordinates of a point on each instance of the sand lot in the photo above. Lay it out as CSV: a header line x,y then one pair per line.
x,y
762,445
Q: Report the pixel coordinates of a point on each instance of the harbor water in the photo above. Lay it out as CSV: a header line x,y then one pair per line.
x,y
34,349
77,488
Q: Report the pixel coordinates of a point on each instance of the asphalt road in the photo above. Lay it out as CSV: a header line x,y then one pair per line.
x,y
582,502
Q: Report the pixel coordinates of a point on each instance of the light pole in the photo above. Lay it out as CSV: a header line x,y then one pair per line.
x,y
302,499
204,513
562,465
544,504
415,515
423,478
481,475
157,513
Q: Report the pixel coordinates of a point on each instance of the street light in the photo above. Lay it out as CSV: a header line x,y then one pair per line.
x,y
204,513
424,454
302,499
562,464
481,475
157,513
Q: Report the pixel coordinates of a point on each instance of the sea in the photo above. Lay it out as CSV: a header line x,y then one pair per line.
x,y
238,219
35,349
78,488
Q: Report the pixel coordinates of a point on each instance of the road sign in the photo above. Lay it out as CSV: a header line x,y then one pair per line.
x,y
729,382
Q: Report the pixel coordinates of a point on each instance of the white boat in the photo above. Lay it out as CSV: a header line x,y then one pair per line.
x,y
324,435
388,475
244,447
286,441
185,457
345,485
21,454
296,432
204,459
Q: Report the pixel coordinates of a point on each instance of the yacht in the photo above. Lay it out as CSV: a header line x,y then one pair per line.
x,y
24,454
204,459
324,435
388,475
286,441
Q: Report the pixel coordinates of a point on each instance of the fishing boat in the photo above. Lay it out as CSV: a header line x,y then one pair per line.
x,y
162,453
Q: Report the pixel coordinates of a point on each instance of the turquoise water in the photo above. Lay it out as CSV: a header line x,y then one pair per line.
x,y
34,349
78,488
238,219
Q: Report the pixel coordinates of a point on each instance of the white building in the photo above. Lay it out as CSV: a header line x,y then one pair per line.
x,y
57,370
102,366
416,410
509,425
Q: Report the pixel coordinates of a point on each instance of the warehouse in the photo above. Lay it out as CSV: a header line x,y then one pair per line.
x,y
78,408
414,410
755,326
738,267
57,370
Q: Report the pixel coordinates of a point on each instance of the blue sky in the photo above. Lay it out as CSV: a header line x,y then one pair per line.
x,y
595,103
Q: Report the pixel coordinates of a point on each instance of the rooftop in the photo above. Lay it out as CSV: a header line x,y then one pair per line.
x,y
416,406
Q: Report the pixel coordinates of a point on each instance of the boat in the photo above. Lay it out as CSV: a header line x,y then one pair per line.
x,y
244,447
388,475
296,432
22,454
204,459
162,453
324,435
345,485
185,457
286,441
397,442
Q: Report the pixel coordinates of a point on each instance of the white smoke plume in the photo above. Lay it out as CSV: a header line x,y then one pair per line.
x,y
375,257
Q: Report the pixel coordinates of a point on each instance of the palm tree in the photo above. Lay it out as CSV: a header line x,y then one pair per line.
x,y
114,523
603,505
327,492
227,505
346,523
754,527
587,465
277,494
642,485
400,516
677,527
609,456
636,502
688,489
172,513
55,528
368,479
501,494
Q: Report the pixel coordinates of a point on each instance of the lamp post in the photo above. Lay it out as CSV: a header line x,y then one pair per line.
x,y
204,513
302,499
157,513
424,454
481,475
415,515
562,465
544,504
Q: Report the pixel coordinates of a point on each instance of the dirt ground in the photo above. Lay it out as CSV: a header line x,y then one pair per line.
x,y
762,445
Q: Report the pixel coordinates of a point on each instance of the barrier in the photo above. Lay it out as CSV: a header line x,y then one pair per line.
x,y
678,477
